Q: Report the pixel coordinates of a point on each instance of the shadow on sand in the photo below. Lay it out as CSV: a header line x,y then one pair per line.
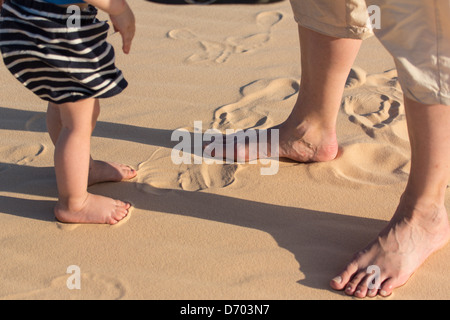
x,y
313,237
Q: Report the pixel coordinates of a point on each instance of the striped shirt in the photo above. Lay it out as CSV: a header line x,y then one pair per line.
x,y
58,62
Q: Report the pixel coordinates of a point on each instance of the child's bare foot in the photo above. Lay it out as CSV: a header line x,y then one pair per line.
x,y
101,171
414,233
94,210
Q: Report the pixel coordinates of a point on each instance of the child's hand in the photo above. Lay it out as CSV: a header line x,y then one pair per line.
x,y
125,24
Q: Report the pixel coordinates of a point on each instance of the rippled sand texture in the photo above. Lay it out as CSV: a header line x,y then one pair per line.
x,y
198,230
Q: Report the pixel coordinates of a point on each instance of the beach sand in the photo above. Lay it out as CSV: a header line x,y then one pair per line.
x,y
198,231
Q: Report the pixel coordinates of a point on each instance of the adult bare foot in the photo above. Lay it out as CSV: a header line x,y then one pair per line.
x,y
94,210
414,233
307,142
302,143
101,171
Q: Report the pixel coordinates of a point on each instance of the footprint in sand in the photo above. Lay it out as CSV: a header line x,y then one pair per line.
x,y
19,155
387,80
377,109
93,287
377,106
22,154
249,112
364,164
220,52
373,112
356,78
159,174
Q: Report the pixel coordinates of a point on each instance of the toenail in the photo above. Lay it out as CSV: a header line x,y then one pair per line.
x,y
337,279
383,293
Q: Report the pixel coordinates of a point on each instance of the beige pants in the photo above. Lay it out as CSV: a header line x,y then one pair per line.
x,y
415,32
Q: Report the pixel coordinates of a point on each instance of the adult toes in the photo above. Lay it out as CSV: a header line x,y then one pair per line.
x,y
354,283
340,282
387,287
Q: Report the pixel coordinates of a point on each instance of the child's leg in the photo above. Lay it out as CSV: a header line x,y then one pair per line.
x,y
53,122
72,158
100,171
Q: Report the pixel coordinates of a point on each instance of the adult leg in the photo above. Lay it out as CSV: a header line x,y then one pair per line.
x,y
417,35
309,134
420,225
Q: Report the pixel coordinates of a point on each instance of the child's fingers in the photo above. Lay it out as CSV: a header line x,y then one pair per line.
x,y
126,25
126,47
127,40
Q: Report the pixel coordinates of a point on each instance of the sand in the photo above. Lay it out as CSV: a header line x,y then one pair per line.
x,y
198,231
